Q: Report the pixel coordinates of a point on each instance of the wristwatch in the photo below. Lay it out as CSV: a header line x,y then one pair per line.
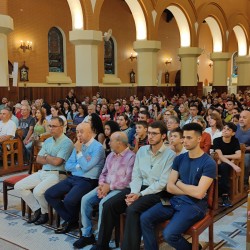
x,y
45,156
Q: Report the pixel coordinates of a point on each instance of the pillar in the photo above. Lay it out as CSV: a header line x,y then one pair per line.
x,y
243,63
6,26
220,67
86,55
147,61
188,57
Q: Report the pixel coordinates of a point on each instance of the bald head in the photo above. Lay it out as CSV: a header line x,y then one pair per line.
x,y
118,142
84,132
244,120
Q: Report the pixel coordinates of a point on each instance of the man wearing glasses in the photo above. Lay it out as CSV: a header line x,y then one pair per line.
x,y
53,154
150,174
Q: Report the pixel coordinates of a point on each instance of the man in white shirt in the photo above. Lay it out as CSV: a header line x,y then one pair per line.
x,y
7,126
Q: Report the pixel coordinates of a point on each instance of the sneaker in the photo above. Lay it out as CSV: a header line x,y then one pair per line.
x,y
226,201
84,241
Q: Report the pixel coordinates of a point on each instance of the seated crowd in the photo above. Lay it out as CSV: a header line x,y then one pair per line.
x,y
149,158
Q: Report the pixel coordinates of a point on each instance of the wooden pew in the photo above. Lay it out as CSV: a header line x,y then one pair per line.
x,y
12,155
9,183
248,217
237,191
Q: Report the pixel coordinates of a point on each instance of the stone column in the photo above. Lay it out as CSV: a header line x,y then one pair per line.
x,y
188,57
243,63
6,26
147,61
86,55
220,67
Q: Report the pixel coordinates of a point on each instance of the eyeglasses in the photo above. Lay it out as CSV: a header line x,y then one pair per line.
x,y
54,126
153,134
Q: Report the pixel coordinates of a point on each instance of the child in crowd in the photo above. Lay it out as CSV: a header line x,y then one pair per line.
x,y
141,137
176,141
228,149
236,119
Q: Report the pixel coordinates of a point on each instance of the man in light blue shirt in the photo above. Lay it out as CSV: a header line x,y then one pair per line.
x,y
85,164
55,151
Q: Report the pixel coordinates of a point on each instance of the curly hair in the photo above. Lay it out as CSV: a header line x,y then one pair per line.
x,y
96,123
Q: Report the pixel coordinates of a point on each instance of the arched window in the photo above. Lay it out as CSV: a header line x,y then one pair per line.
x,y
55,48
109,57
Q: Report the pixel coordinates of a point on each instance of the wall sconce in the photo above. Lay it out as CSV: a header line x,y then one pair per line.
x,y
198,62
210,64
132,57
168,61
25,46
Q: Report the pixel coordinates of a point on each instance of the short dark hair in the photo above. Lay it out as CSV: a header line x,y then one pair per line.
x,y
59,119
193,126
193,105
161,125
231,125
237,116
145,113
177,130
143,123
125,118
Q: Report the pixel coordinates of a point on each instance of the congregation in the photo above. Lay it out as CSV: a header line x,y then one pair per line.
x,y
148,158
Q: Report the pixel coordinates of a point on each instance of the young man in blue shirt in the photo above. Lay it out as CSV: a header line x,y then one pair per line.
x,y
191,176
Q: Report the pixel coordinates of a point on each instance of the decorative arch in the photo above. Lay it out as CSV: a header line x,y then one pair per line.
x,y
76,14
240,26
215,17
138,15
241,39
184,13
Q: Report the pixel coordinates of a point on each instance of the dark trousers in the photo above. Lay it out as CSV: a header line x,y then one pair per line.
x,y
112,209
224,172
65,197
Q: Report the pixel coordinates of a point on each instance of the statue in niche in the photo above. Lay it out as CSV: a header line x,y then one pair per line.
x,y
132,76
235,66
24,73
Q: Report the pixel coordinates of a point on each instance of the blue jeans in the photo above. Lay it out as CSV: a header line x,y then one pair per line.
x,y
65,196
88,201
183,216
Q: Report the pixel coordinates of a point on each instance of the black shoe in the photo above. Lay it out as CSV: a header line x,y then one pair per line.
x,y
42,220
96,247
35,217
84,241
66,227
226,201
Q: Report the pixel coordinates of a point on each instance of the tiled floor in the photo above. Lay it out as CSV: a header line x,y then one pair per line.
x,y
229,231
